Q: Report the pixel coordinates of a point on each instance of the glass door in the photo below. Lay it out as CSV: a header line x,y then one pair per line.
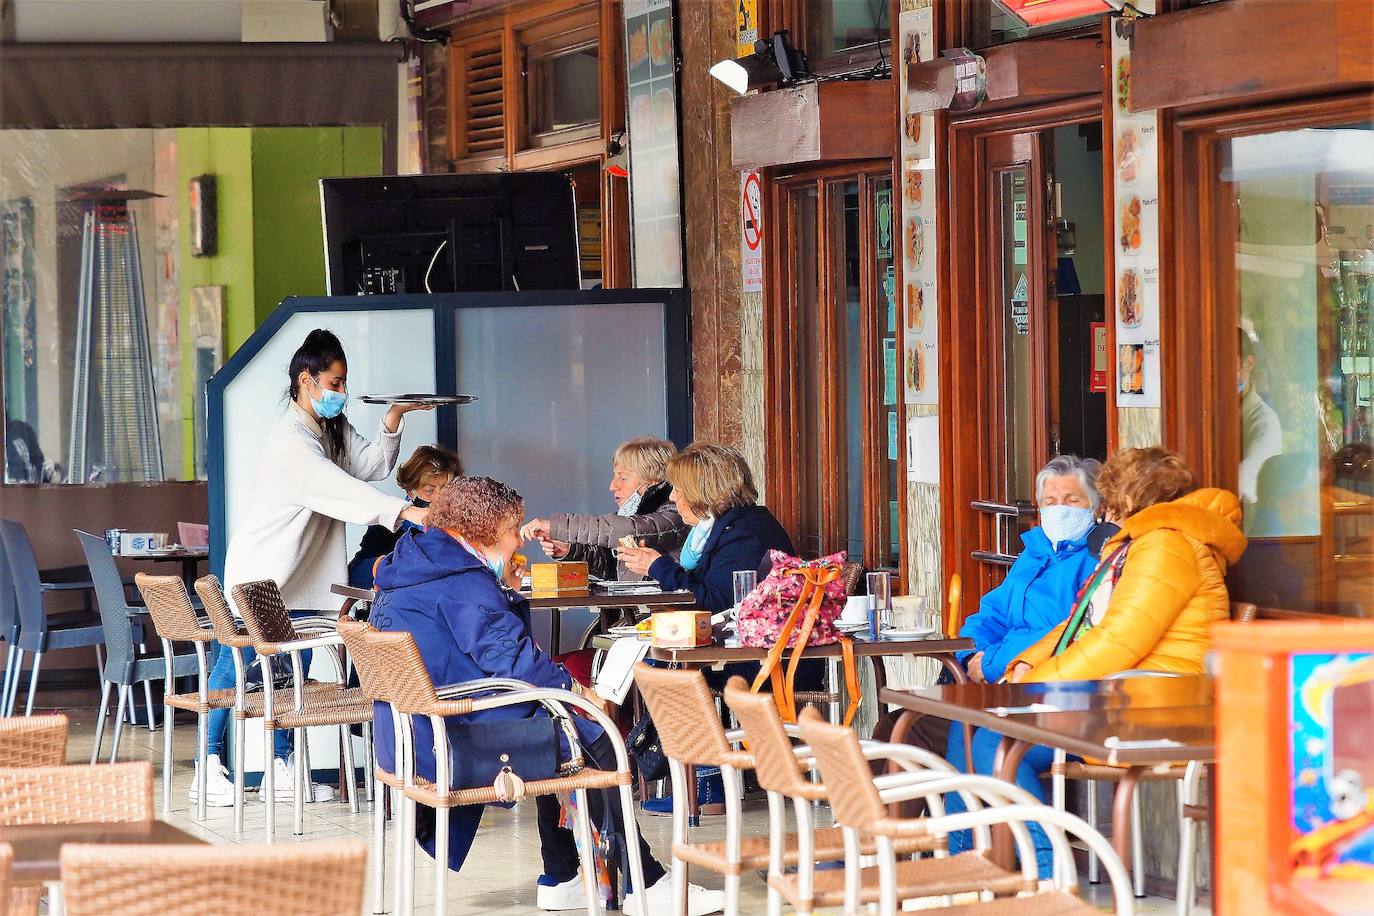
x,y
834,399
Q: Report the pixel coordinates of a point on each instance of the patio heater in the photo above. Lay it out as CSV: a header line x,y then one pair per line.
x,y
114,430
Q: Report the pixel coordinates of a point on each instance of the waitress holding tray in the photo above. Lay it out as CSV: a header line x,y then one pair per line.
x,y
312,480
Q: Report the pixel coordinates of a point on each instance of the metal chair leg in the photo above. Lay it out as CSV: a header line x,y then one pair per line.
x,y
148,705
1187,840
583,825
730,777
119,720
1093,877
301,780
167,767
14,660
440,861
202,756
405,842
33,682
237,757
378,857
100,720
350,778
269,789
369,765
1137,847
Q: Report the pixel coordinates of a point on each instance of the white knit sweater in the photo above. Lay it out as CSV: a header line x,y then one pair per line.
x,y
294,531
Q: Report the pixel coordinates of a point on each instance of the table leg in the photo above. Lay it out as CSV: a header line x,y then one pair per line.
x,y
555,631
960,676
1010,753
1121,815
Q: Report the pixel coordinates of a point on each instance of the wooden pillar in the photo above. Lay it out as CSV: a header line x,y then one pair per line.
x,y
711,223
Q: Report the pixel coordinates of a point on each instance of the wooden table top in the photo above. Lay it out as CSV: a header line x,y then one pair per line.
x,y
38,847
1129,721
733,652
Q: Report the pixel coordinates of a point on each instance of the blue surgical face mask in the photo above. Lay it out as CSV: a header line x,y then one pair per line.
x,y
1065,523
330,403
497,566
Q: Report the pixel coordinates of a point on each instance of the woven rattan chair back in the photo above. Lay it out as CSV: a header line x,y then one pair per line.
x,y
396,659
27,582
114,607
775,765
354,634
107,793
6,864
846,773
169,604
33,741
114,880
9,605
227,629
264,615
684,713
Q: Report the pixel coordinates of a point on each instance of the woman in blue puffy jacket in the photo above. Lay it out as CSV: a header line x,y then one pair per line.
x,y
454,587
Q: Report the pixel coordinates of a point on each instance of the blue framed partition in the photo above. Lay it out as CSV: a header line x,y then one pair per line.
x,y
564,376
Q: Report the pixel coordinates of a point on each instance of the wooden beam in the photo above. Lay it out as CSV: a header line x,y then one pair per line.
x,y
831,122
1251,48
1027,71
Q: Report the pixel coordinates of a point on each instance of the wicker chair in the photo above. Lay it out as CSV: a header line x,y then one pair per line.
x,y
175,619
860,806
114,880
234,639
354,635
782,773
111,793
273,632
395,660
1188,776
33,741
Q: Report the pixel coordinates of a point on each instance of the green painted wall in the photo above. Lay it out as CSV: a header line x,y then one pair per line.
x,y
270,241
288,163
226,153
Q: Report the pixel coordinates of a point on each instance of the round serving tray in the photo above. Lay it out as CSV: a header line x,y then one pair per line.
x,y
438,400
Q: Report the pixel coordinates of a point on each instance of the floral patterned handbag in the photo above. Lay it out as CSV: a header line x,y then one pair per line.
x,y
796,606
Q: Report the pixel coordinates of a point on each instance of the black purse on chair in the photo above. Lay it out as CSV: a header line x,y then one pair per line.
x,y
647,751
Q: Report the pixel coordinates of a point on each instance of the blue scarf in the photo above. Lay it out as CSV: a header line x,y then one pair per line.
x,y
696,540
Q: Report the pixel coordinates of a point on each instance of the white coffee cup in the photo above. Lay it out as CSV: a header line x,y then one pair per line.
x,y
855,609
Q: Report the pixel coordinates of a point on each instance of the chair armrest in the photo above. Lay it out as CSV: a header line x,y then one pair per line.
x,y
316,642
66,586
907,756
448,691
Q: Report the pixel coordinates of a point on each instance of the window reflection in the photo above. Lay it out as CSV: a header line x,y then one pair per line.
x,y
1303,250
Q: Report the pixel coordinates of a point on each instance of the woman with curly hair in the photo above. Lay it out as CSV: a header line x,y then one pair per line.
x,y
454,588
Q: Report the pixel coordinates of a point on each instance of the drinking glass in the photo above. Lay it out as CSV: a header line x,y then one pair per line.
x,y
879,602
745,580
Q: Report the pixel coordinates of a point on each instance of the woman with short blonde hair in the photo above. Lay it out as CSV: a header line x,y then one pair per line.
x,y
715,494
643,513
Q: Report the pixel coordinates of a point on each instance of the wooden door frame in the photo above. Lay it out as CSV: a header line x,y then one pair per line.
x,y
969,412
785,348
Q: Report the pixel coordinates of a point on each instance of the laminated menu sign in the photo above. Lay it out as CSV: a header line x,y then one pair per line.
x,y
914,237
1135,236
655,199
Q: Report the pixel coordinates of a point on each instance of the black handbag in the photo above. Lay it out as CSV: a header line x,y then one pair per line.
x,y
647,751
527,749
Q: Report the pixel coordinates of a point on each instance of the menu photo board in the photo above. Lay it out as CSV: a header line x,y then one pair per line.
x,y
655,188
913,233
1135,236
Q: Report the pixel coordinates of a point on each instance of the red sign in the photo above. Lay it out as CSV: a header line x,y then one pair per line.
x,y
751,233
1047,12
1098,382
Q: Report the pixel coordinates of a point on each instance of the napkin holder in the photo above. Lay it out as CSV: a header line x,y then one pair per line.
x,y
681,629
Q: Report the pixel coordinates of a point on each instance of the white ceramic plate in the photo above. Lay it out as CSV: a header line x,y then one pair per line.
x,y
908,634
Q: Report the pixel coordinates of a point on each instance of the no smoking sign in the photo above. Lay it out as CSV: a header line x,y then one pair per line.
x,y
751,232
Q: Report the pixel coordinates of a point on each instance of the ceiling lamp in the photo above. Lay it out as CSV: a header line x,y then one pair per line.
x,y
774,60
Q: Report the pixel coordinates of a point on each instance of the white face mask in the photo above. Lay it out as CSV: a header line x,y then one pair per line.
x,y
1065,523
631,505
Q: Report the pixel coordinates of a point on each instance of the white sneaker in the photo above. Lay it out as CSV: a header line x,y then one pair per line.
x,y
219,791
284,776
659,899
570,895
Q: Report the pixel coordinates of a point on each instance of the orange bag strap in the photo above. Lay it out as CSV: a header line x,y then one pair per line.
x,y
807,608
851,678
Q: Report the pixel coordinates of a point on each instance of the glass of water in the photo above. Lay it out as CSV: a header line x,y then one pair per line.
x,y
745,580
879,602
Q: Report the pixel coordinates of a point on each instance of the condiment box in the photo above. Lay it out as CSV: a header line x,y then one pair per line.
x,y
681,629
140,543
553,580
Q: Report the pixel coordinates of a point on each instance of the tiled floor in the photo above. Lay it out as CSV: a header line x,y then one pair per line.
x,y
501,870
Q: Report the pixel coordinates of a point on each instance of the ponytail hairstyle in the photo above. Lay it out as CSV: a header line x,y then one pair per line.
x,y
320,351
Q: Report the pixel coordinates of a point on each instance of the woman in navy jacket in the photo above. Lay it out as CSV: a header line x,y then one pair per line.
x,y
454,588
715,494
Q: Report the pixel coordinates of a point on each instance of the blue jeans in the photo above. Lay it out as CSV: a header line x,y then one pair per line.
x,y
1036,761
222,677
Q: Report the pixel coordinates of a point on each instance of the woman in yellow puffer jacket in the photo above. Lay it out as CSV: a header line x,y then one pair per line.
x,y
1154,611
